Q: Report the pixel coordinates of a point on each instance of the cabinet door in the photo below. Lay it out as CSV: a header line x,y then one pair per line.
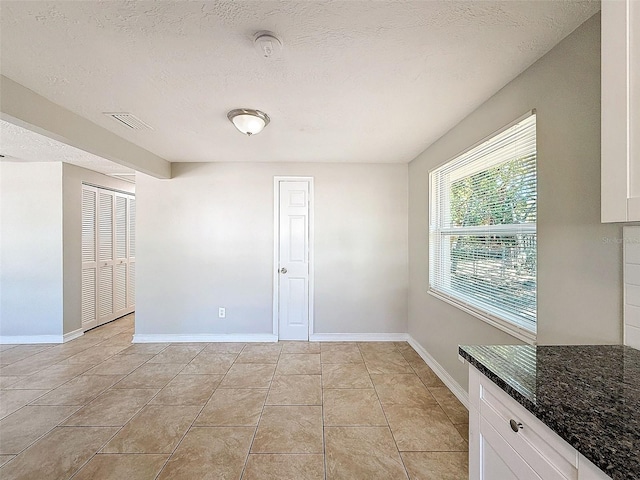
x,y
493,466
588,471
498,460
620,119
634,109
496,451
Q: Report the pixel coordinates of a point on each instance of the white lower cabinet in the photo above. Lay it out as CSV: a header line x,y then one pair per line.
x,y
507,442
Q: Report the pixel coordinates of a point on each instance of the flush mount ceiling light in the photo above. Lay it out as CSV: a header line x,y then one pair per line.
x,y
248,121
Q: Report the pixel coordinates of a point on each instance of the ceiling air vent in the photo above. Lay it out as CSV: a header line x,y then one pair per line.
x,y
128,120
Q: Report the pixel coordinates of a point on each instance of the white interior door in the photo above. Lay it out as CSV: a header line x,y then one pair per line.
x,y
293,260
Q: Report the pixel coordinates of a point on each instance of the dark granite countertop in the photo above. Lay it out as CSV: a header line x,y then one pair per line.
x,y
588,394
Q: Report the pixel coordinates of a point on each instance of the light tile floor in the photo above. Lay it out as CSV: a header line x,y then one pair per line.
x,y
99,408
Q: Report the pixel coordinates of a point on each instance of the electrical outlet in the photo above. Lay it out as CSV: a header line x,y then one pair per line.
x,y
222,312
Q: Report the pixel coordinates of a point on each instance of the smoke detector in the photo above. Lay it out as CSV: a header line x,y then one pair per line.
x,y
267,44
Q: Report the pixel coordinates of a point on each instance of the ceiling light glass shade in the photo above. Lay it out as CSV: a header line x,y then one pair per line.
x,y
248,121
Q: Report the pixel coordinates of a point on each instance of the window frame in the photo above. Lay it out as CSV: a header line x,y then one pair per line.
x,y
517,330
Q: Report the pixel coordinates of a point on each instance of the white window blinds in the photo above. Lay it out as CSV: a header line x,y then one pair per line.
x,y
482,227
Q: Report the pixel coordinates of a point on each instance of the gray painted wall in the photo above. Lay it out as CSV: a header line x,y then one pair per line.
x,y
31,249
205,240
579,271
41,235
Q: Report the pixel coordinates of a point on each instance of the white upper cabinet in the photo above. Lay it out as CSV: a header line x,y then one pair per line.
x,y
620,110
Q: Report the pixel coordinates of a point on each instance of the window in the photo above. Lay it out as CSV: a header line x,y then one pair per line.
x,y
482,229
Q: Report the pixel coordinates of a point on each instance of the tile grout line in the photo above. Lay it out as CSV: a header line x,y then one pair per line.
x,y
48,431
255,432
324,439
127,422
406,472
439,405
32,355
97,452
72,378
109,388
166,462
425,386
49,390
58,425
133,416
44,349
31,404
436,398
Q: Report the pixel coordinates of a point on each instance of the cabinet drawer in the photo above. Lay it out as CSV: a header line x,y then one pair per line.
x,y
549,455
499,460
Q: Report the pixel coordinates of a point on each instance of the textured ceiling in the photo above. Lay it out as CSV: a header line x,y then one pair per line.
x,y
19,144
356,81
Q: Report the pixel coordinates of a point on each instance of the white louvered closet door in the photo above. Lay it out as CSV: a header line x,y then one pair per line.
x,y
89,263
105,256
121,260
108,255
131,285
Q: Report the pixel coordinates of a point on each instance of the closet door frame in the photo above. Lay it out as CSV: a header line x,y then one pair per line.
x,y
116,262
131,252
89,293
121,262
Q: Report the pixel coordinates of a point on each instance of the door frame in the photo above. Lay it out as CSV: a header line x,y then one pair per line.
x,y
128,309
276,248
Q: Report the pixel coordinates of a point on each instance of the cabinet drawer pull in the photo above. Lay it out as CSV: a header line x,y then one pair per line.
x,y
515,426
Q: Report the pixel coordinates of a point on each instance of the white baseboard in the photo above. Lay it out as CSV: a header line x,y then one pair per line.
x,y
29,339
34,339
67,337
267,337
204,337
358,337
447,379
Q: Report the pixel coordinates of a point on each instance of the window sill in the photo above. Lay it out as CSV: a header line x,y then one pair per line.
x,y
520,333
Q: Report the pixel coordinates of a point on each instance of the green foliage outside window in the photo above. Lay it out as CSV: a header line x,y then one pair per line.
x,y
496,263
496,196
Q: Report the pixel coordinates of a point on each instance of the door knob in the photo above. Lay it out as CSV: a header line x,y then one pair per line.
x,y
283,270
515,426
